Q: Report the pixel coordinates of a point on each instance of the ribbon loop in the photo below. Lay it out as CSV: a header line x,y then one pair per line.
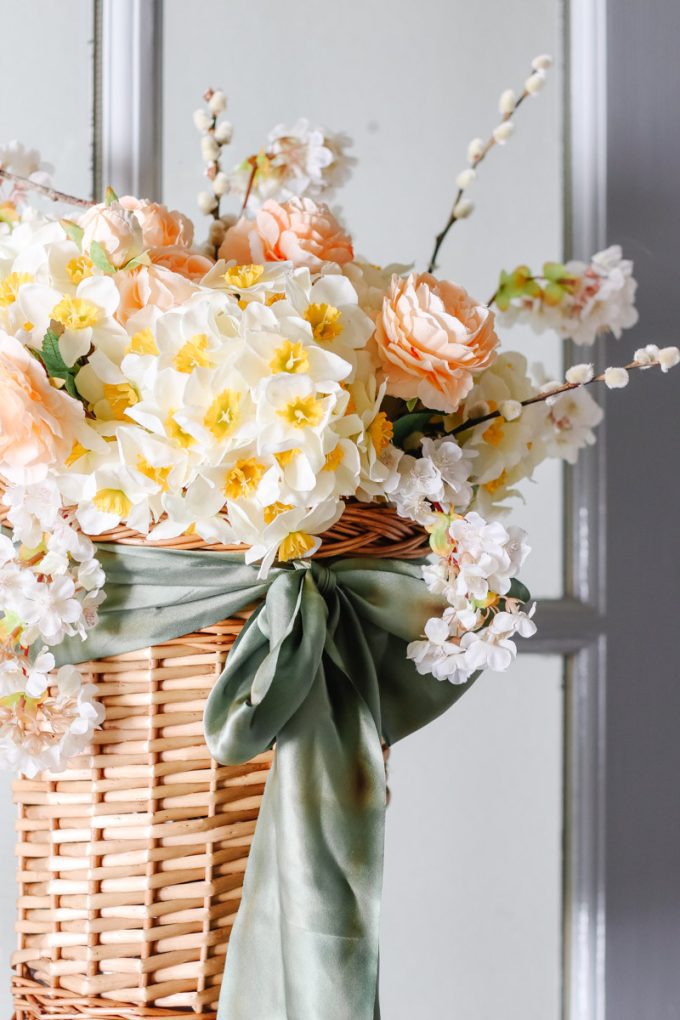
x,y
324,578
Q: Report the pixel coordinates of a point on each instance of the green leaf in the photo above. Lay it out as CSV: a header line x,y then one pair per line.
x,y
110,196
408,423
51,355
411,403
99,258
518,591
74,232
139,260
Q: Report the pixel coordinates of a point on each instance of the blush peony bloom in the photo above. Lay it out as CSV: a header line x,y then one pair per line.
x,y
184,261
298,231
161,227
37,422
117,230
150,285
432,337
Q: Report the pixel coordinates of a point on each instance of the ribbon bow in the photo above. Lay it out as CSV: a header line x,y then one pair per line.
x,y
320,669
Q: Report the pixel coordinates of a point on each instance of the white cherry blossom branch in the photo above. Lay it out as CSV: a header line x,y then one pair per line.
x,y
615,377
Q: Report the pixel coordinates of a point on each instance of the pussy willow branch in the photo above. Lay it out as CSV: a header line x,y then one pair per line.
x,y
43,189
491,141
555,391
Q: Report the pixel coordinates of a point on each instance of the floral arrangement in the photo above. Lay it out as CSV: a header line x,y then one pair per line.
x,y
246,389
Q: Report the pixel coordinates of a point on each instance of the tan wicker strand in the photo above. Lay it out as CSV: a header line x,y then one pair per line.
x,y
131,862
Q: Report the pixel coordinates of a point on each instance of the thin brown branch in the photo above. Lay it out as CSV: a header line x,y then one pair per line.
x,y
43,189
540,397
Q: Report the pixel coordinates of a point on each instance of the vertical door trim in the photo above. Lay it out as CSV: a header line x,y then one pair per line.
x,y
128,121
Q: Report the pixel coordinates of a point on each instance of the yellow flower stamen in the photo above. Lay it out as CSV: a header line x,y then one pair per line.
x,y
381,431
76,313
77,451
278,295
222,416
334,459
495,433
113,501
176,432
295,545
289,357
496,483
142,342
325,321
303,412
272,511
79,268
242,277
120,397
285,456
159,475
9,288
192,354
244,478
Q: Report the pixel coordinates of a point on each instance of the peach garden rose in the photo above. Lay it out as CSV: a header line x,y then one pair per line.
x,y
432,338
37,422
161,227
116,228
300,231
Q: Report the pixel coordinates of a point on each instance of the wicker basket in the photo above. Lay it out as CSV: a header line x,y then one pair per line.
x,y
131,862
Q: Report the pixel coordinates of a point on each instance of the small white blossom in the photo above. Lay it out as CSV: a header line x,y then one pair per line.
x,y
616,378
579,374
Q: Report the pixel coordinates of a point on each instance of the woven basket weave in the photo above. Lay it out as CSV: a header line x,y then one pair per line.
x,y
131,862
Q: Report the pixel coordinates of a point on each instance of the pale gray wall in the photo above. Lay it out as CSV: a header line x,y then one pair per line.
x,y
643,675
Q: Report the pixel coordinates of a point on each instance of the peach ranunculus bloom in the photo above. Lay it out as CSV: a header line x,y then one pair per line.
x,y
150,285
300,231
161,227
117,230
183,261
37,422
431,338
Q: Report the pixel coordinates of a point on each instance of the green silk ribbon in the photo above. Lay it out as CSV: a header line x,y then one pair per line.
x,y
320,669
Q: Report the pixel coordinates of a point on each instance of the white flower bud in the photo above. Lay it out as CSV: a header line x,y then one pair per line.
x,y
510,409
223,132
463,209
579,374
210,150
217,102
616,378
206,202
465,178
668,358
507,102
535,83
202,120
475,149
648,355
503,132
542,62
221,183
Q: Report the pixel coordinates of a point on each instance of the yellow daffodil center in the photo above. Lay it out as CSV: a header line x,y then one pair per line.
x,y
272,511
142,342
9,288
496,483
325,321
79,268
77,451
193,354
244,478
278,295
334,459
285,456
159,475
295,545
222,416
76,313
8,212
494,434
303,412
176,432
113,501
289,357
242,277
120,397
380,430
